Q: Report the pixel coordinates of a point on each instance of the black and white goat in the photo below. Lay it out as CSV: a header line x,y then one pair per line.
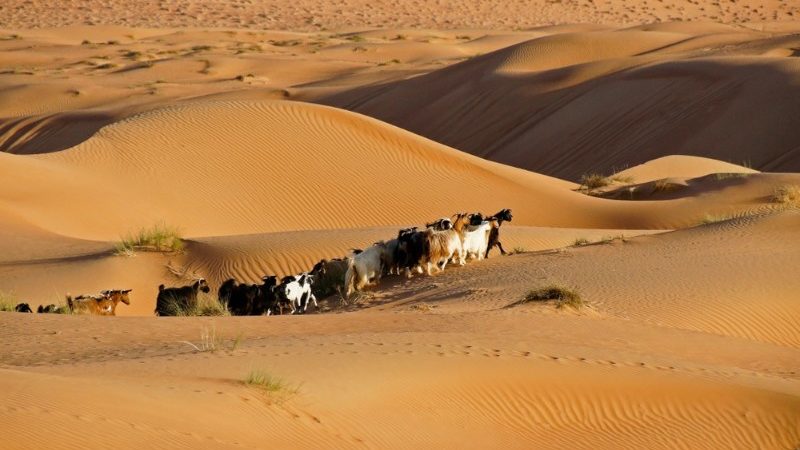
x,y
295,292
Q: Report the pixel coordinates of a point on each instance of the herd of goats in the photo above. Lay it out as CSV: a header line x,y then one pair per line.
x,y
453,239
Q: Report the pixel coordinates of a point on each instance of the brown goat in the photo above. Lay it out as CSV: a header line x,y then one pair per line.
x,y
102,305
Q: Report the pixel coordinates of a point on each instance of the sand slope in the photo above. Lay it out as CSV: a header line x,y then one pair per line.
x,y
689,339
601,101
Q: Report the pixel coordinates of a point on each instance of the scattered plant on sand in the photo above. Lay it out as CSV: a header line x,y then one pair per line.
x,y
580,242
209,341
7,302
665,186
356,298
594,181
158,238
423,307
622,179
518,250
787,194
207,305
715,218
270,384
562,296
727,175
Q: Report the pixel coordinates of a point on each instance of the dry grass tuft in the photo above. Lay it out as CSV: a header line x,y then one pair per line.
x,y
594,181
209,341
665,186
579,242
562,296
158,238
276,387
207,305
787,194
423,307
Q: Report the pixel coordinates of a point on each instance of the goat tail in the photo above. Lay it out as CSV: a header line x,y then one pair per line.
x,y
349,277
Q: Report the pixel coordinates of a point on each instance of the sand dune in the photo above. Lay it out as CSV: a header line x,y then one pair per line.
x,y
581,102
318,15
272,135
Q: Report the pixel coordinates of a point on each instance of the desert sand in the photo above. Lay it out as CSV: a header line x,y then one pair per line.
x,y
272,135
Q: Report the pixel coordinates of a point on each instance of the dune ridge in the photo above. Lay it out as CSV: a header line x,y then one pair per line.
x,y
602,101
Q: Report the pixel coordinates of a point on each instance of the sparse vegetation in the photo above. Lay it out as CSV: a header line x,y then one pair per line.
x,y
392,61
728,175
665,186
623,179
787,194
423,307
610,239
269,383
518,250
356,298
562,296
580,242
207,305
355,38
158,238
715,218
209,341
285,43
237,342
594,181
400,37
7,301
212,342
132,54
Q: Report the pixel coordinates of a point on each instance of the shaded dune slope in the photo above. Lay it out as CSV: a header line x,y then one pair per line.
x,y
601,101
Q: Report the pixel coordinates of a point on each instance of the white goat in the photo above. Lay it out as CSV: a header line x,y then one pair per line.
x,y
364,268
476,240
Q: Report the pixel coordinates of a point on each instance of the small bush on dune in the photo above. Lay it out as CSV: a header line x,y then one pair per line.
x,y
207,305
715,218
562,296
788,194
594,181
665,186
7,302
269,383
728,175
158,238
624,179
580,242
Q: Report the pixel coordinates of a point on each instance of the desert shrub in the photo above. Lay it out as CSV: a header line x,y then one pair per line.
x,y
787,194
207,305
7,301
563,296
594,181
269,383
624,179
727,175
158,238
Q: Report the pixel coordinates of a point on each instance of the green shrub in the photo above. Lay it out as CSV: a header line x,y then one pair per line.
x,y
158,238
